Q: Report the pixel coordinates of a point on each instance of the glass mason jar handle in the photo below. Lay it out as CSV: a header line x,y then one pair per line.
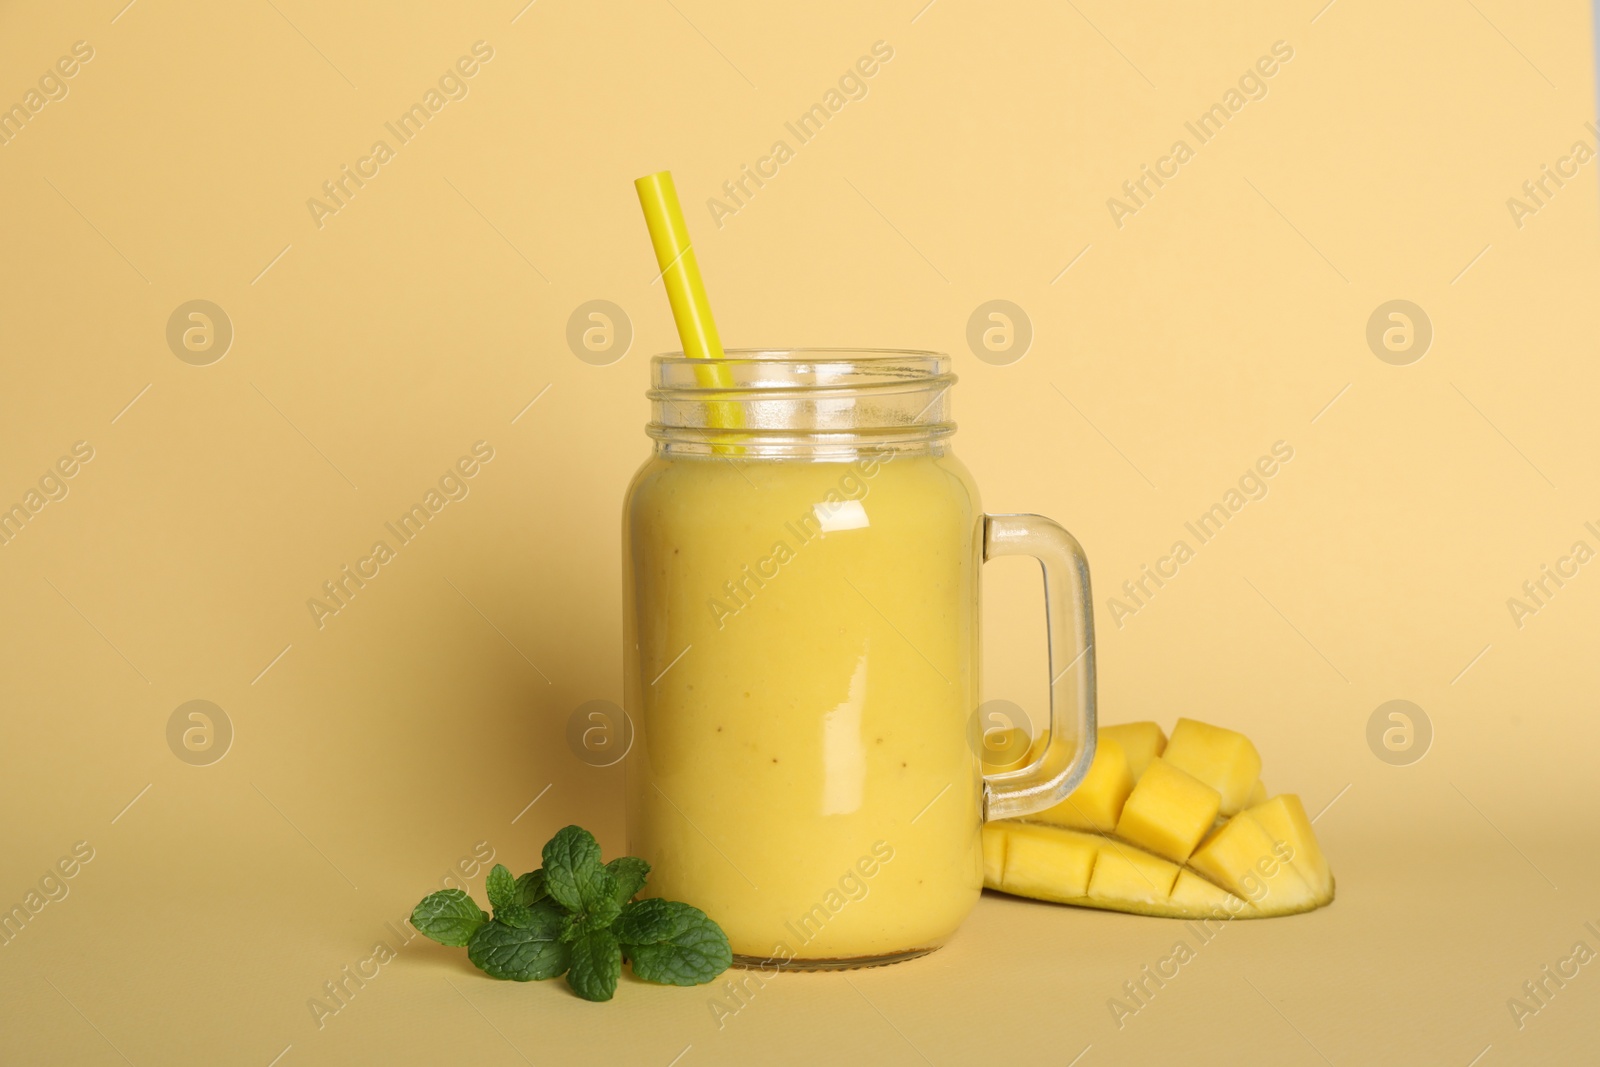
x,y
1069,745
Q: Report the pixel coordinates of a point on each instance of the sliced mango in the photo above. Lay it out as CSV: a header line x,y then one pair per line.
x,y
1223,759
1244,859
1149,831
1131,875
1284,820
1097,801
1141,742
1092,870
1196,896
1043,862
1099,798
1168,811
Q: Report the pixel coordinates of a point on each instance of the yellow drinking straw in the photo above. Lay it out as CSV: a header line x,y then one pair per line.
x,y
680,273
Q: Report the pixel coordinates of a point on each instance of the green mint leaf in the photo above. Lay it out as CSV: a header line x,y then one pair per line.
x,y
449,917
518,915
521,954
644,922
672,943
603,914
501,887
530,888
630,873
596,965
573,873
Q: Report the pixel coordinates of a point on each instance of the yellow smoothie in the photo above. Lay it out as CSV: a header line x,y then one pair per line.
x,y
802,675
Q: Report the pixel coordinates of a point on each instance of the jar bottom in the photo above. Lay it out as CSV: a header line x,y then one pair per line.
x,y
843,963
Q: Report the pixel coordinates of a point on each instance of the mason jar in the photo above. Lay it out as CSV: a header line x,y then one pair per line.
x,y
801,601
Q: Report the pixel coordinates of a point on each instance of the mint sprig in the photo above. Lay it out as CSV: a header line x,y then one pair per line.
x,y
577,916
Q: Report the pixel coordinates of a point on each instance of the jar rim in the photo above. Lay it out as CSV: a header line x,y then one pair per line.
x,y
816,371
804,354
810,402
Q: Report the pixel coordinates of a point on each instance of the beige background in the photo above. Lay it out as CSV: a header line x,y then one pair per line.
x,y
371,755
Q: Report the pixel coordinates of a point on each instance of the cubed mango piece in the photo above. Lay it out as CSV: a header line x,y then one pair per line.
x,y
1193,895
1045,862
1244,859
1284,819
1141,742
1225,760
1129,877
1097,802
1168,811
